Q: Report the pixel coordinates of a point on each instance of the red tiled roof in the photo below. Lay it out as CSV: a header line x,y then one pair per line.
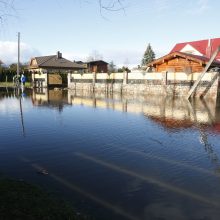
x,y
200,46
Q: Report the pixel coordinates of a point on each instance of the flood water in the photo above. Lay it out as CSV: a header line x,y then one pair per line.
x,y
115,157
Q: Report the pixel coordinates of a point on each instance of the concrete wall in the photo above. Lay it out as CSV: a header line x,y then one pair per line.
x,y
140,82
143,76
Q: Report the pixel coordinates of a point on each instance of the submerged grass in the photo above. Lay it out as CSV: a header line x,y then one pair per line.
x,y
20,200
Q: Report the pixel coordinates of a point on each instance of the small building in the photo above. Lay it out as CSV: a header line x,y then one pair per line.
x,y
97,66
52,70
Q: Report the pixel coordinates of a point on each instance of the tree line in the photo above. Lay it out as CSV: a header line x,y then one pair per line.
x,y
7,73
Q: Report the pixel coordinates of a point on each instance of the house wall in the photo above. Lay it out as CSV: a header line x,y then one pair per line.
x,y
179,64
39,79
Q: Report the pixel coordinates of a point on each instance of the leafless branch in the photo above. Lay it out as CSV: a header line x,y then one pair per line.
x,y
111,5
7,9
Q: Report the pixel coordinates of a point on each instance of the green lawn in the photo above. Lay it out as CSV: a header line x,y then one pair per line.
x,y
22,201
10,84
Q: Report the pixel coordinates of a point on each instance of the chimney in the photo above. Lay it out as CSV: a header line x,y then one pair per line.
x,y
59,55
209,49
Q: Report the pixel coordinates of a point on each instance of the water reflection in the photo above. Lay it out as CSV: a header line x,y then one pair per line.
x,y
16,93
172,113
51,98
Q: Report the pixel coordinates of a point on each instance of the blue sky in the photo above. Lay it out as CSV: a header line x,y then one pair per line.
x,y
76,28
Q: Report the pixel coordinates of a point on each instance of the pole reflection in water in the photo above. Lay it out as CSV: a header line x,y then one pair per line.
x,y
20,94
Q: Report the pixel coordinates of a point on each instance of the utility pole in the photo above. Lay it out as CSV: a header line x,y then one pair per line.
x,y
18,64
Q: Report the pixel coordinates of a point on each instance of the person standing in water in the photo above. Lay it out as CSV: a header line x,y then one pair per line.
x,y
23,79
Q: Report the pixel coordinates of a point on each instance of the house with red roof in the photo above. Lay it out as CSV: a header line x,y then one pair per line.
x,y
182,67
188,57
201,48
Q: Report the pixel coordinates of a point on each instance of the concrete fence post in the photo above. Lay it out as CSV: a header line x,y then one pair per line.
x,y
125,77
47,81
93,78
68,79
164,77
93,81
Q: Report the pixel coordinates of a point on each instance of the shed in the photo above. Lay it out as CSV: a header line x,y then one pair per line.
x,y
97,66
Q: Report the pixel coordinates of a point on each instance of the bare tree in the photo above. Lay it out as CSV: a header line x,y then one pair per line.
x,y
94,55
111,5
6,10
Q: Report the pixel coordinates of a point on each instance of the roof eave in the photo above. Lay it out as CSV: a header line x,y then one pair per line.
x,y
60,68
173,55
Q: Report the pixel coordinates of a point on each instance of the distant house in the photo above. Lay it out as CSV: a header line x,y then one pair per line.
x,y
46,70
201,48
97,66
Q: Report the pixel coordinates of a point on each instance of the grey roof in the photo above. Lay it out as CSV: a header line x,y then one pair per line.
x,y
56,63
96,61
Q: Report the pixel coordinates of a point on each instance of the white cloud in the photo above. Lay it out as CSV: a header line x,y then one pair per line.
x,y
8,52
126,57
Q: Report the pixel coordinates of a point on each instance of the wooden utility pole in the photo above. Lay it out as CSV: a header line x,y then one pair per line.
x,y
18,64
